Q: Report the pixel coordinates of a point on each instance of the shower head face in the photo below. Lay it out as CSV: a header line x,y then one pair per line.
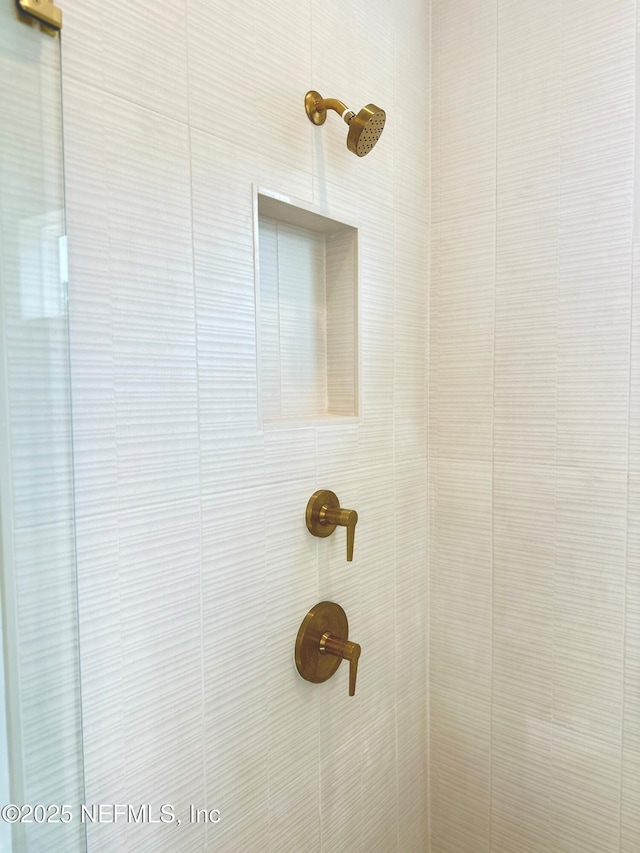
x,y
365,129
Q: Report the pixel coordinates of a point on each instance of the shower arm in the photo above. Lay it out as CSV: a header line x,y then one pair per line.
x,y
338,106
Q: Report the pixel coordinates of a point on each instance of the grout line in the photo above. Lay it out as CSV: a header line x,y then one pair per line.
x,y
554,575
199,420
427,423
629,398
394,366
493,421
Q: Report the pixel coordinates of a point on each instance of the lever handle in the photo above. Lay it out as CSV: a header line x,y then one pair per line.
x,y
345,649
320,647
324,514
344,518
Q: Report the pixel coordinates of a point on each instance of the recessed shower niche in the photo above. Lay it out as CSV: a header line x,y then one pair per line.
x,y
306,315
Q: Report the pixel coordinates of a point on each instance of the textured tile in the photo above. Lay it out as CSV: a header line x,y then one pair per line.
x,y
373,619
246,832
632,618
303,322
268,319
413,775
155,378
461,337
35,363
260,69
630,815
533,110
379,789
410,341
585,794
235,691
460,576
411,582
224,284
231,457
291,558
597,82
42,668
376,303
290,455
594,327
138,53
521,743
294,815
459,771
146,367
296,323
634,378
236,760
341,252
161,664
463,153
100,630
90,305
233,589
338,456
528,129
410,117
526,333
340,781
148,199
589,590
411,630
357,772
524,541
178,481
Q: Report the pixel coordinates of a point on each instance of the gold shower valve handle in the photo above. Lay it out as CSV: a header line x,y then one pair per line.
x,y
346,650
322,644
324,514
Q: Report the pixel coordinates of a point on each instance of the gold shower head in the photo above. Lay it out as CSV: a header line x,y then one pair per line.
x,y
364,129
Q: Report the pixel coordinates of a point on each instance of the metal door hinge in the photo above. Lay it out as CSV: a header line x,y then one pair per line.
x,y
44,10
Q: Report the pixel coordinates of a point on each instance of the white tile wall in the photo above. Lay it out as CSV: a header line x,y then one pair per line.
x,y
534,416
461,310
533,424
195,564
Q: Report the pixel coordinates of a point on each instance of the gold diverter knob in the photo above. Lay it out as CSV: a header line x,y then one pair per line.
x,y
324,515
322,644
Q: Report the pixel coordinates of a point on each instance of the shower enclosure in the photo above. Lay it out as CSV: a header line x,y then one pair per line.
x,y
40,721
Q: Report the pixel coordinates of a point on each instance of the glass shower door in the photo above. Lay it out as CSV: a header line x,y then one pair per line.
x,y
40,719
